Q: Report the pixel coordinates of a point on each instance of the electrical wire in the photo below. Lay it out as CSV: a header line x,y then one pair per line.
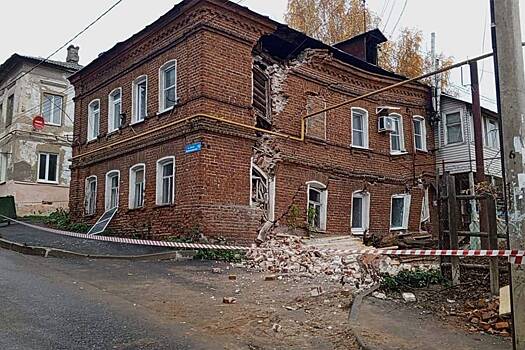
x,y
389,15
399,18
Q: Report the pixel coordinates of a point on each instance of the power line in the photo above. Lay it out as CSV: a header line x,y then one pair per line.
x,y
399,18
389,14
69,41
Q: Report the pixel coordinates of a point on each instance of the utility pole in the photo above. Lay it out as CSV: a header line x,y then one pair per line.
x,y
510,91
478,146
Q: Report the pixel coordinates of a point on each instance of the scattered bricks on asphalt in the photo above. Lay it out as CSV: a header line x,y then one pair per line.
x,y
409,297
229,300
502,325
216,270
232,277
315,292
270,278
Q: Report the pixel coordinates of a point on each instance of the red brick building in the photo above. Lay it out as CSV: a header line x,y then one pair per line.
x,y
194,124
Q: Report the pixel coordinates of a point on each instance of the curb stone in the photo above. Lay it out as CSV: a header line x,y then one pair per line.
x,y
62,253
354,315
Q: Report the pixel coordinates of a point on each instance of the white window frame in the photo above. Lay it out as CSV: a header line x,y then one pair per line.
x,y
162,85
324,202
135,108
3,167
133,182
365,196
421,120
364,114
47,168
445,128
406,211
107,192
159,182
91,123
425,208
486,133
86,199
402,149
111,109
53,109
271,191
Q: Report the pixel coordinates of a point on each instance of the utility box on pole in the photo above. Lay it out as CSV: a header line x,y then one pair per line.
x,y
510,80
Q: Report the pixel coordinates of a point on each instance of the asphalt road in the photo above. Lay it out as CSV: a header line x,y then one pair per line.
x,y
43,306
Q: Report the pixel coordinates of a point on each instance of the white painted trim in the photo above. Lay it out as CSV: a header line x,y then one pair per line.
x,y
366,212
324,201
401,135
132,181
162,108
134,109
366,128
52,93
406,211
445,129
158,191
423,133
107,189
85,193
46,170
110,109
90,125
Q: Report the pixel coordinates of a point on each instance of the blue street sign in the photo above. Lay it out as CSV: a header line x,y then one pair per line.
x,y
193,147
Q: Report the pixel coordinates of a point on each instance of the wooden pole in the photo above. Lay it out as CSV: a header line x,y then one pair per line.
x,y
453,226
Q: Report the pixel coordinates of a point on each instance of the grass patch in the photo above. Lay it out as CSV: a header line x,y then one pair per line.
x,y
412,279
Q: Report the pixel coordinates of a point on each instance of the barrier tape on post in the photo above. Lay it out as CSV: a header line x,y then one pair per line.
x,y
514,256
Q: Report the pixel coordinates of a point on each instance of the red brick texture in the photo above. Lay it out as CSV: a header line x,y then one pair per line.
x,y
213,44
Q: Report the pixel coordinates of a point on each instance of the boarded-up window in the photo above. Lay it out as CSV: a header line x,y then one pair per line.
x,y
316,125
261,98
10,110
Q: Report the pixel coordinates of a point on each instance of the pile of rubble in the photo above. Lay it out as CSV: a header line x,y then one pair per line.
x,y
287,254
484,316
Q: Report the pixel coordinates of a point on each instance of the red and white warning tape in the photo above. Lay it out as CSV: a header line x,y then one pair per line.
x,y
515,256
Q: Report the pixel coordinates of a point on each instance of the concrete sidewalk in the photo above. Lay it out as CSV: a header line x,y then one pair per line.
x,y
32,237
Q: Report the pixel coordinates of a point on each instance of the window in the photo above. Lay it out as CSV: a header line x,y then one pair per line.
x,y
52,109
491,133
93,119
166,181
3,167
10,109
115,110
137,180
420,134
91,195
397,141
168,86
261,97
317,201
359,128
112,189
453,128
425,211
399,213
316,124
262,191
48,167
1,110
140,99
360,212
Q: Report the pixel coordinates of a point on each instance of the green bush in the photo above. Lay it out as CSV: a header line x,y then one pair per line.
x,y
61,220
412,279
220,254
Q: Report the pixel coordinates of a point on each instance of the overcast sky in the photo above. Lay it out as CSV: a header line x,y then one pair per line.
x,y
39,27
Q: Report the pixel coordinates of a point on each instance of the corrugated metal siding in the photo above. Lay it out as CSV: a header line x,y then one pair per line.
x,y
460,157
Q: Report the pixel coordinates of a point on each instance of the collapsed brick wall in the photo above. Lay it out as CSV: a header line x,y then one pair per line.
x,y
213,186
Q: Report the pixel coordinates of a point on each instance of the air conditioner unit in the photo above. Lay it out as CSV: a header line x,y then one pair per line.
x,y
385,124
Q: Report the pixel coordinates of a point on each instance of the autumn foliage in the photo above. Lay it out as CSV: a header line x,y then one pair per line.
x,y
332,21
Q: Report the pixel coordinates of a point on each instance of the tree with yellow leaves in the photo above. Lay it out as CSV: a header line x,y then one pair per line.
x,y
332,21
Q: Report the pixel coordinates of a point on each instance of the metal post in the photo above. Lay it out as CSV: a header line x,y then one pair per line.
x,y
453,226
478,145
510,90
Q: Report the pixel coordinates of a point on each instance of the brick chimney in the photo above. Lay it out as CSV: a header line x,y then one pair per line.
x,y
363,46
72,54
